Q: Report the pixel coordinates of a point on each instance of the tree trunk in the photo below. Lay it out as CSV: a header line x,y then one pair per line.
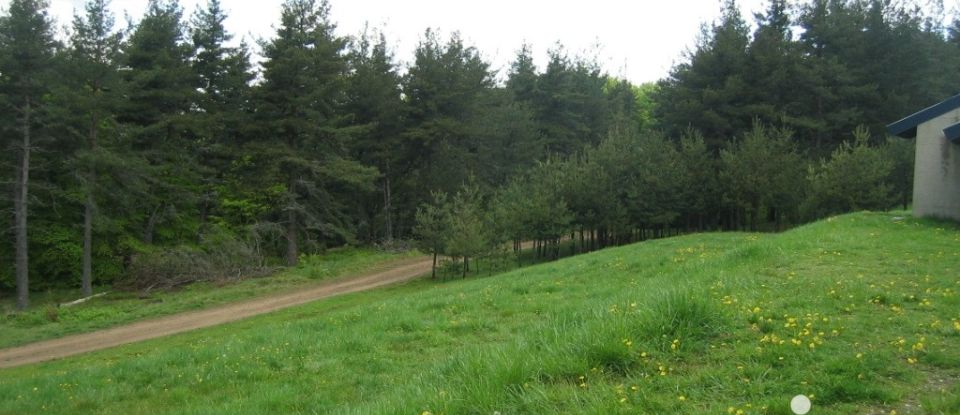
x,y
582,247
204,216
466,266
819,140
20,215
151,225
518,249
388,206
86,279
293,251
434,269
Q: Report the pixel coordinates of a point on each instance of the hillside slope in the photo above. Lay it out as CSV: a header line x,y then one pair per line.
x,y
859,312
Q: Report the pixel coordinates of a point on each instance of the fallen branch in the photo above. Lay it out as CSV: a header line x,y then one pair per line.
x,y
83,300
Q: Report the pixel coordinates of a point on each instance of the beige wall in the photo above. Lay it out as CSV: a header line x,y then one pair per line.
x,y
936,185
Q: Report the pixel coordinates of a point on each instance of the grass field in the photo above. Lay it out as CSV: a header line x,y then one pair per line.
x,y
858,312
44,320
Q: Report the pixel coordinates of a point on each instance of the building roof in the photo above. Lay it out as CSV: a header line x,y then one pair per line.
x,y
953,133
907,127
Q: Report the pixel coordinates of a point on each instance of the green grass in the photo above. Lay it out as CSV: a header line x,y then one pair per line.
x,y
124,307
859,312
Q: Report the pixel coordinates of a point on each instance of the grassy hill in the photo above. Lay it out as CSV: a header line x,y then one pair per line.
x,y
859,312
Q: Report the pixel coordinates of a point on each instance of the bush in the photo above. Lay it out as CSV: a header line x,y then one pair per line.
x,y
855,178
220,257
762,177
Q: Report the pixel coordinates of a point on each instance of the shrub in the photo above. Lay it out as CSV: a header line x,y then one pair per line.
x,y
52,313
855,178
220,257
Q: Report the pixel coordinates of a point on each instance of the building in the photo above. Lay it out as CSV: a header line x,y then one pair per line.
x,y
936,183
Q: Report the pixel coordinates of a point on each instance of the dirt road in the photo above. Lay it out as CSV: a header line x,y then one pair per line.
x,y
178,323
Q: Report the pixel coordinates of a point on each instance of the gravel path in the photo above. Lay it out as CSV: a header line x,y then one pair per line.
x,y
179,323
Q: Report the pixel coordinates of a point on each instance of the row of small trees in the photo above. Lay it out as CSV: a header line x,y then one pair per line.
x,y
637,186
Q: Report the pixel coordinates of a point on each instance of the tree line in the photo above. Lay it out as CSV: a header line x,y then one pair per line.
x,y
820,68
136,150
634,186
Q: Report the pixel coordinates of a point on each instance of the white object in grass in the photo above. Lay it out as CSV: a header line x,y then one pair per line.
x,y
800,405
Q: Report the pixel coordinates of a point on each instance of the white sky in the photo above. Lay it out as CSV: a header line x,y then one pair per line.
x,y
640,39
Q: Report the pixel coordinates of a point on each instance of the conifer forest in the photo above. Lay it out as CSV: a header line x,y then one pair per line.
x,y
134,152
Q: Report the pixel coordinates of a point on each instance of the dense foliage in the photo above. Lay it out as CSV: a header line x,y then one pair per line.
x,y
818,67
128,147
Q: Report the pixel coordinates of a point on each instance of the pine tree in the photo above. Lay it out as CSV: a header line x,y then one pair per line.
x,y
299,102
709,91
467,232
522,77
161,91
505,136
776,73
95,57
374,103
432,227
698,188
442,90
27,46
854,178
571,106
762,177
224,75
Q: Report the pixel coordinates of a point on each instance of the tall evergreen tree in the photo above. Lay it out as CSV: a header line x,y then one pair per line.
x,y
505,136
161,91
374,102
300,98
522,77
95,58
776,71
442,90
224,75
571,106
709,91
830,86
27,46
623,109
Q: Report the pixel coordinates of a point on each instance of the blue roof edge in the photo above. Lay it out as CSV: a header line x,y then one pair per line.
x,y
907,127
953,133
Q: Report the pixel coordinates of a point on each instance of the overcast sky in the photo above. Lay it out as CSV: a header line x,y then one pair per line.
x,y
639,39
